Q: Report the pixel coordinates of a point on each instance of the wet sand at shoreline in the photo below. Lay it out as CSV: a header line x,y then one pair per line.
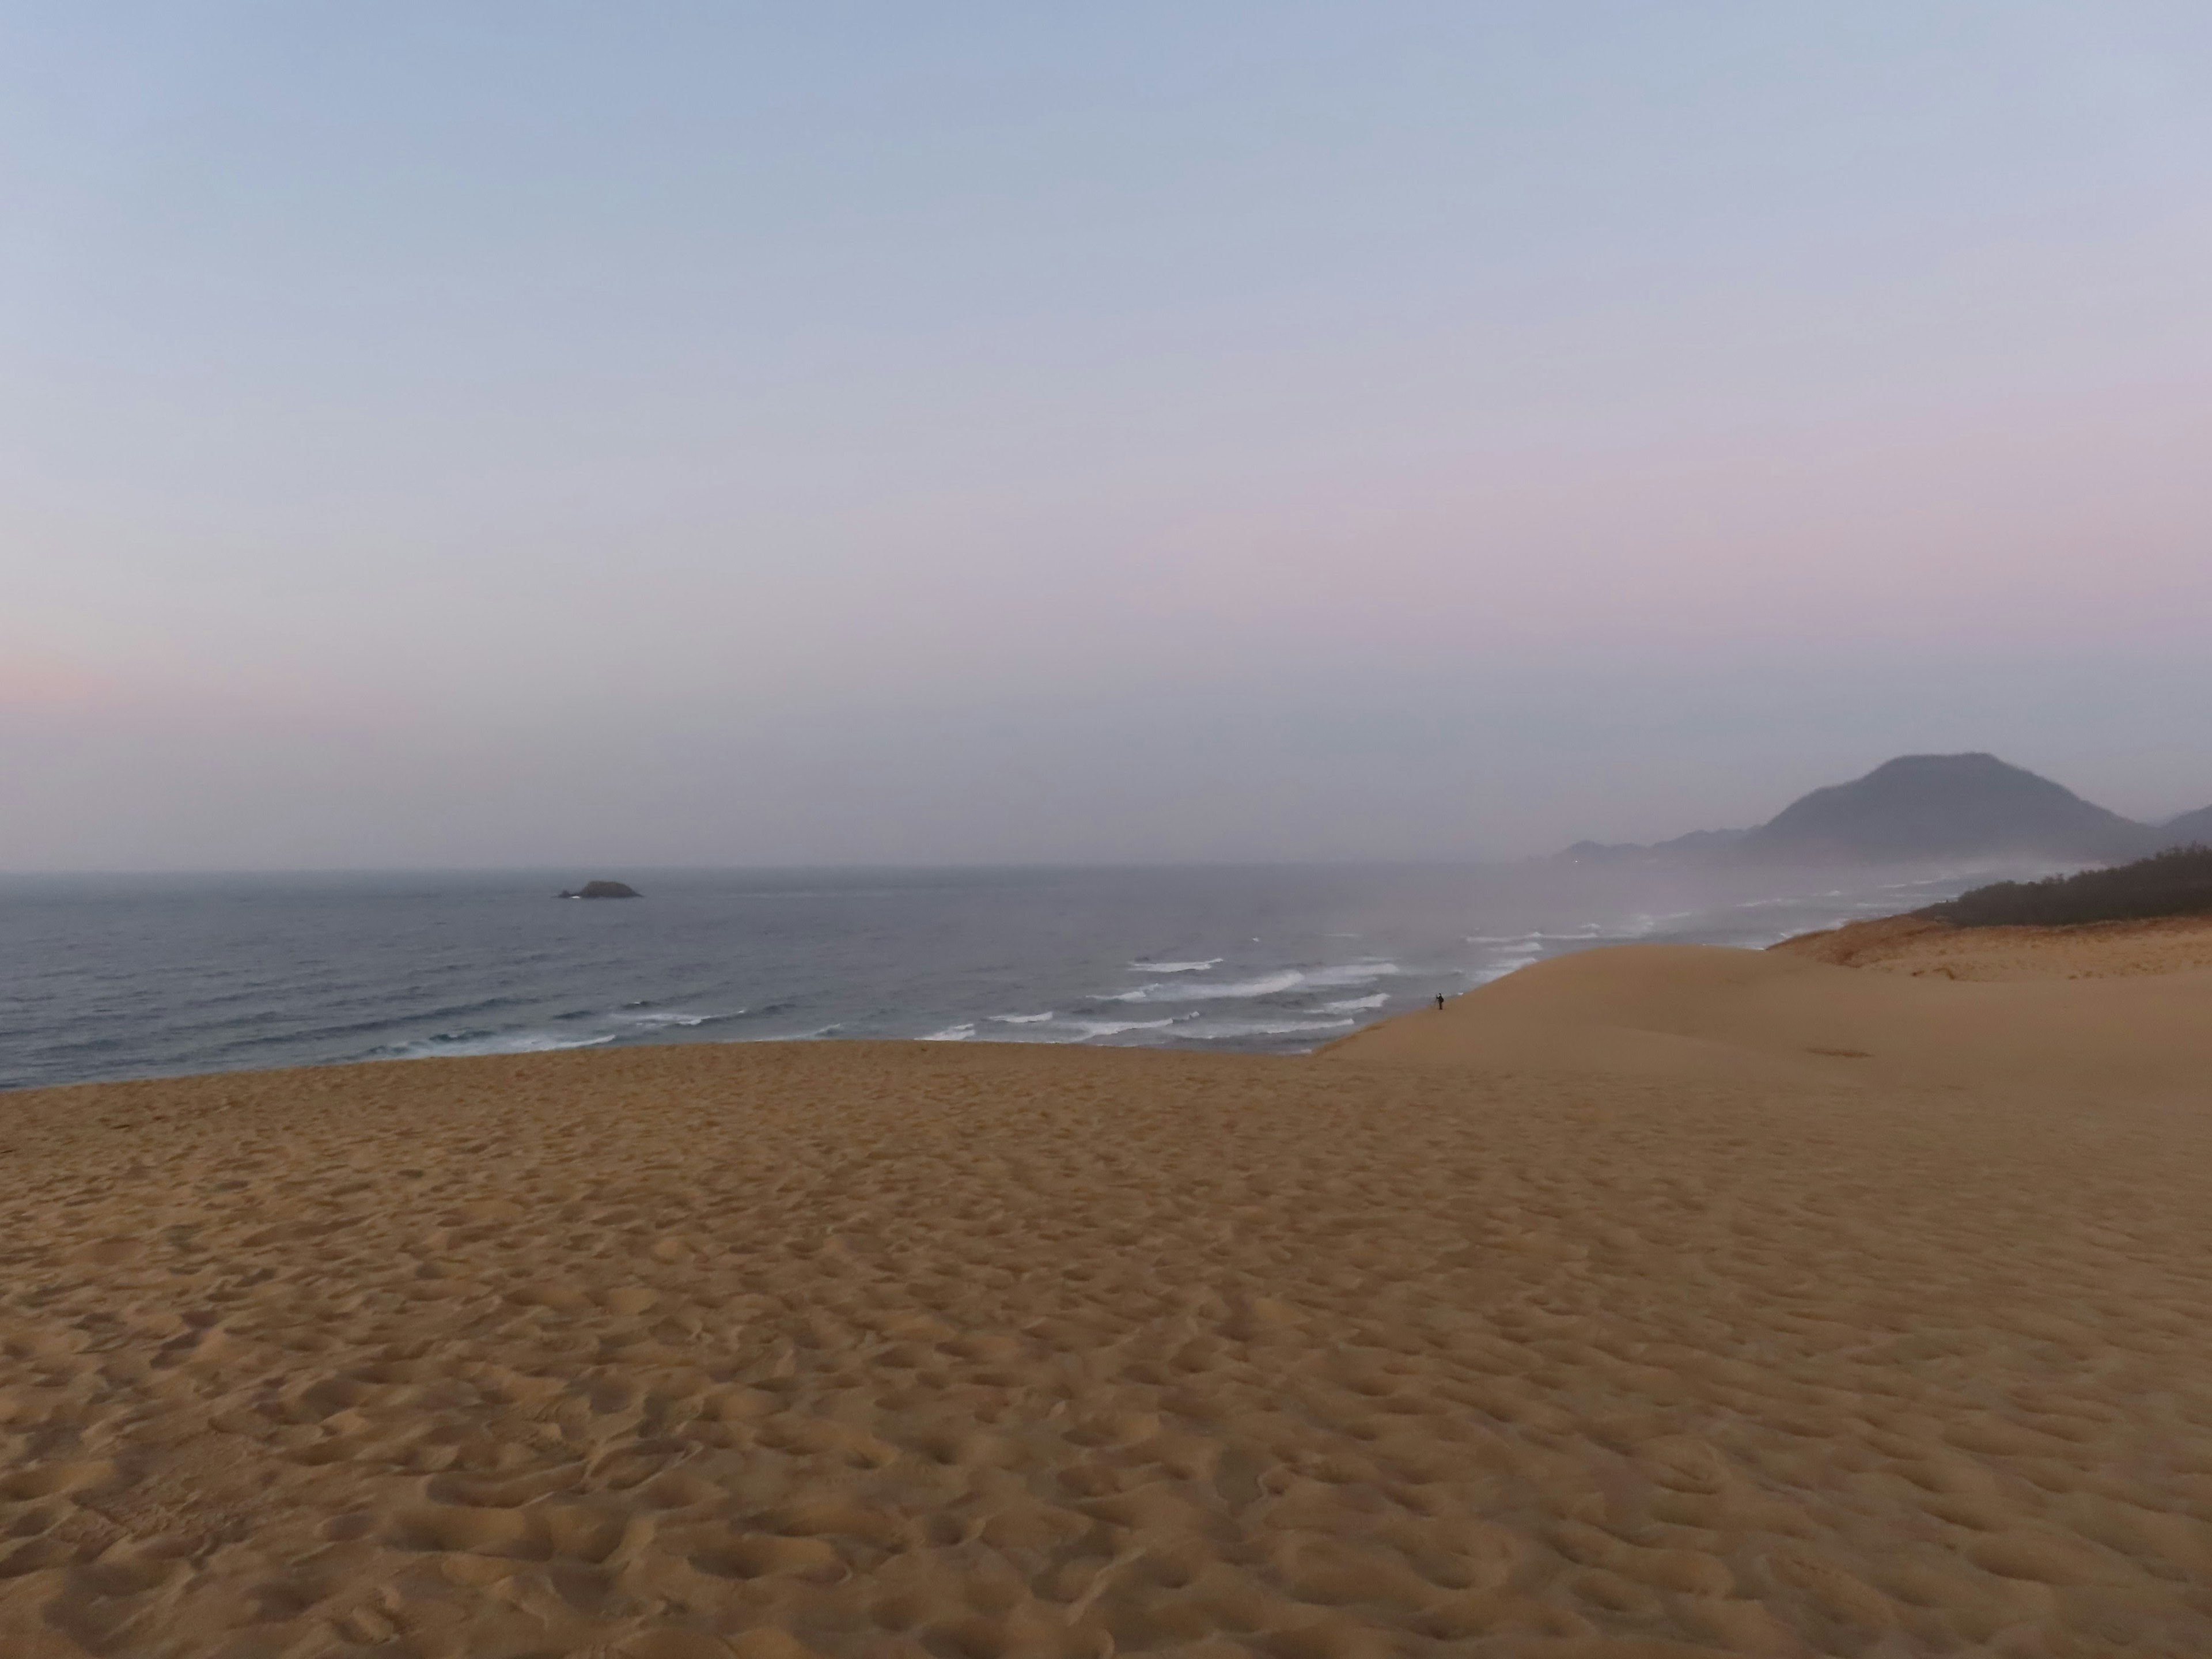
x,y
1651,1302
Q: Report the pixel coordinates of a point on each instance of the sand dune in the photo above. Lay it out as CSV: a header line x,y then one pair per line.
x,y
1597,1315
1705,1012
1925,948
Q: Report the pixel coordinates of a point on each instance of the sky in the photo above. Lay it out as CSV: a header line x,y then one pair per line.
x,y
534,433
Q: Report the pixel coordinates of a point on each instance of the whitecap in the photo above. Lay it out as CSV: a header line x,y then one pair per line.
x,y
953,1033
1587,931
814,1036
1285,979
1202,991
1648,922
1093,1028
488,1043
1504,965
1021,1020
1352,973
1226,1030
1174,967
1353,1004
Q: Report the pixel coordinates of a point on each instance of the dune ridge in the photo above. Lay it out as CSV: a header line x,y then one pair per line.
x,y
1650,1302
1930,949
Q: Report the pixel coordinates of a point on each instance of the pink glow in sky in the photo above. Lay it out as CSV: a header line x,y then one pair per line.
x,y
519,433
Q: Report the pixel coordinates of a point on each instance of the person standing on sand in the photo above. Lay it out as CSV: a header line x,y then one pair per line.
x,y
1440,1002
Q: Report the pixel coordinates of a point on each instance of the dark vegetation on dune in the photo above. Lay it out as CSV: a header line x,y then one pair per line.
x,y
2174,883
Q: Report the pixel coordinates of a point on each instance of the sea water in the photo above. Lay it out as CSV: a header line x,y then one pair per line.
x,y
105,977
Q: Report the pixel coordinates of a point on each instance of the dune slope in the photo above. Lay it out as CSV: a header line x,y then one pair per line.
x,y
1705,1012
907,1350
1926,949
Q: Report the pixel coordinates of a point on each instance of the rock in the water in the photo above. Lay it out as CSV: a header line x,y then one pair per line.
x,y
604,889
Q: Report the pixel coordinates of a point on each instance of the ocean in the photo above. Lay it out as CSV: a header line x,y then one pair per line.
x,y
115,976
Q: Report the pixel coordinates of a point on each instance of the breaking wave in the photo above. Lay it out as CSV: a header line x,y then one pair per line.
x,y
1267,985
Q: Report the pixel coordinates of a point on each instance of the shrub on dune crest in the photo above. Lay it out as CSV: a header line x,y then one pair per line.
x,y
2174,883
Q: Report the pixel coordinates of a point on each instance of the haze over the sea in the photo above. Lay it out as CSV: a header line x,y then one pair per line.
x,y
606,437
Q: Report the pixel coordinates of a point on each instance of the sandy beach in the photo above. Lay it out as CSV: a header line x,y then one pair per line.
x,y
1657,1302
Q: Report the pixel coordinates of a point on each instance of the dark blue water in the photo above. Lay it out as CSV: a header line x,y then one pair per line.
x,y
116,976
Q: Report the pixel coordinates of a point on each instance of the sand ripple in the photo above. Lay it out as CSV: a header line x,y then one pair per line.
x,y
977,1353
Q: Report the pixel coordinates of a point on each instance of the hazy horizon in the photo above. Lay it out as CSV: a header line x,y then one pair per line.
x,y
1763,875
541,438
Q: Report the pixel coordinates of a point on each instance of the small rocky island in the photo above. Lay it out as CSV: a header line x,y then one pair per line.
x,y
604,889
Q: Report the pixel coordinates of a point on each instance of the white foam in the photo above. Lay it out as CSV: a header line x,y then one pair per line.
x,y
493,1042
654,1020
1353,1004
1352,973
1202,991
1648,922
1094,1029
1267,985
1226,1031
1587,931
1021,1020
1507,965
814,1036
953,1033
1174,967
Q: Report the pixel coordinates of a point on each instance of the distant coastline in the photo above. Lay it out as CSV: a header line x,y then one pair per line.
x,y
1922,809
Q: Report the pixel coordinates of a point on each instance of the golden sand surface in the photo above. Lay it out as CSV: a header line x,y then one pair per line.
x,y
2098,949
1650,1302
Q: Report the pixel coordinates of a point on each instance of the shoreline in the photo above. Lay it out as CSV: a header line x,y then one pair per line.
x,y
1600,1314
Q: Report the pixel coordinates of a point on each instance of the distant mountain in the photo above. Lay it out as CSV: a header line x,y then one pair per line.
x,y
1698,844
1941,806
2189,827
1918,808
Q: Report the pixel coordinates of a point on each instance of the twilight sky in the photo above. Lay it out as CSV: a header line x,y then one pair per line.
x,y
541,433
